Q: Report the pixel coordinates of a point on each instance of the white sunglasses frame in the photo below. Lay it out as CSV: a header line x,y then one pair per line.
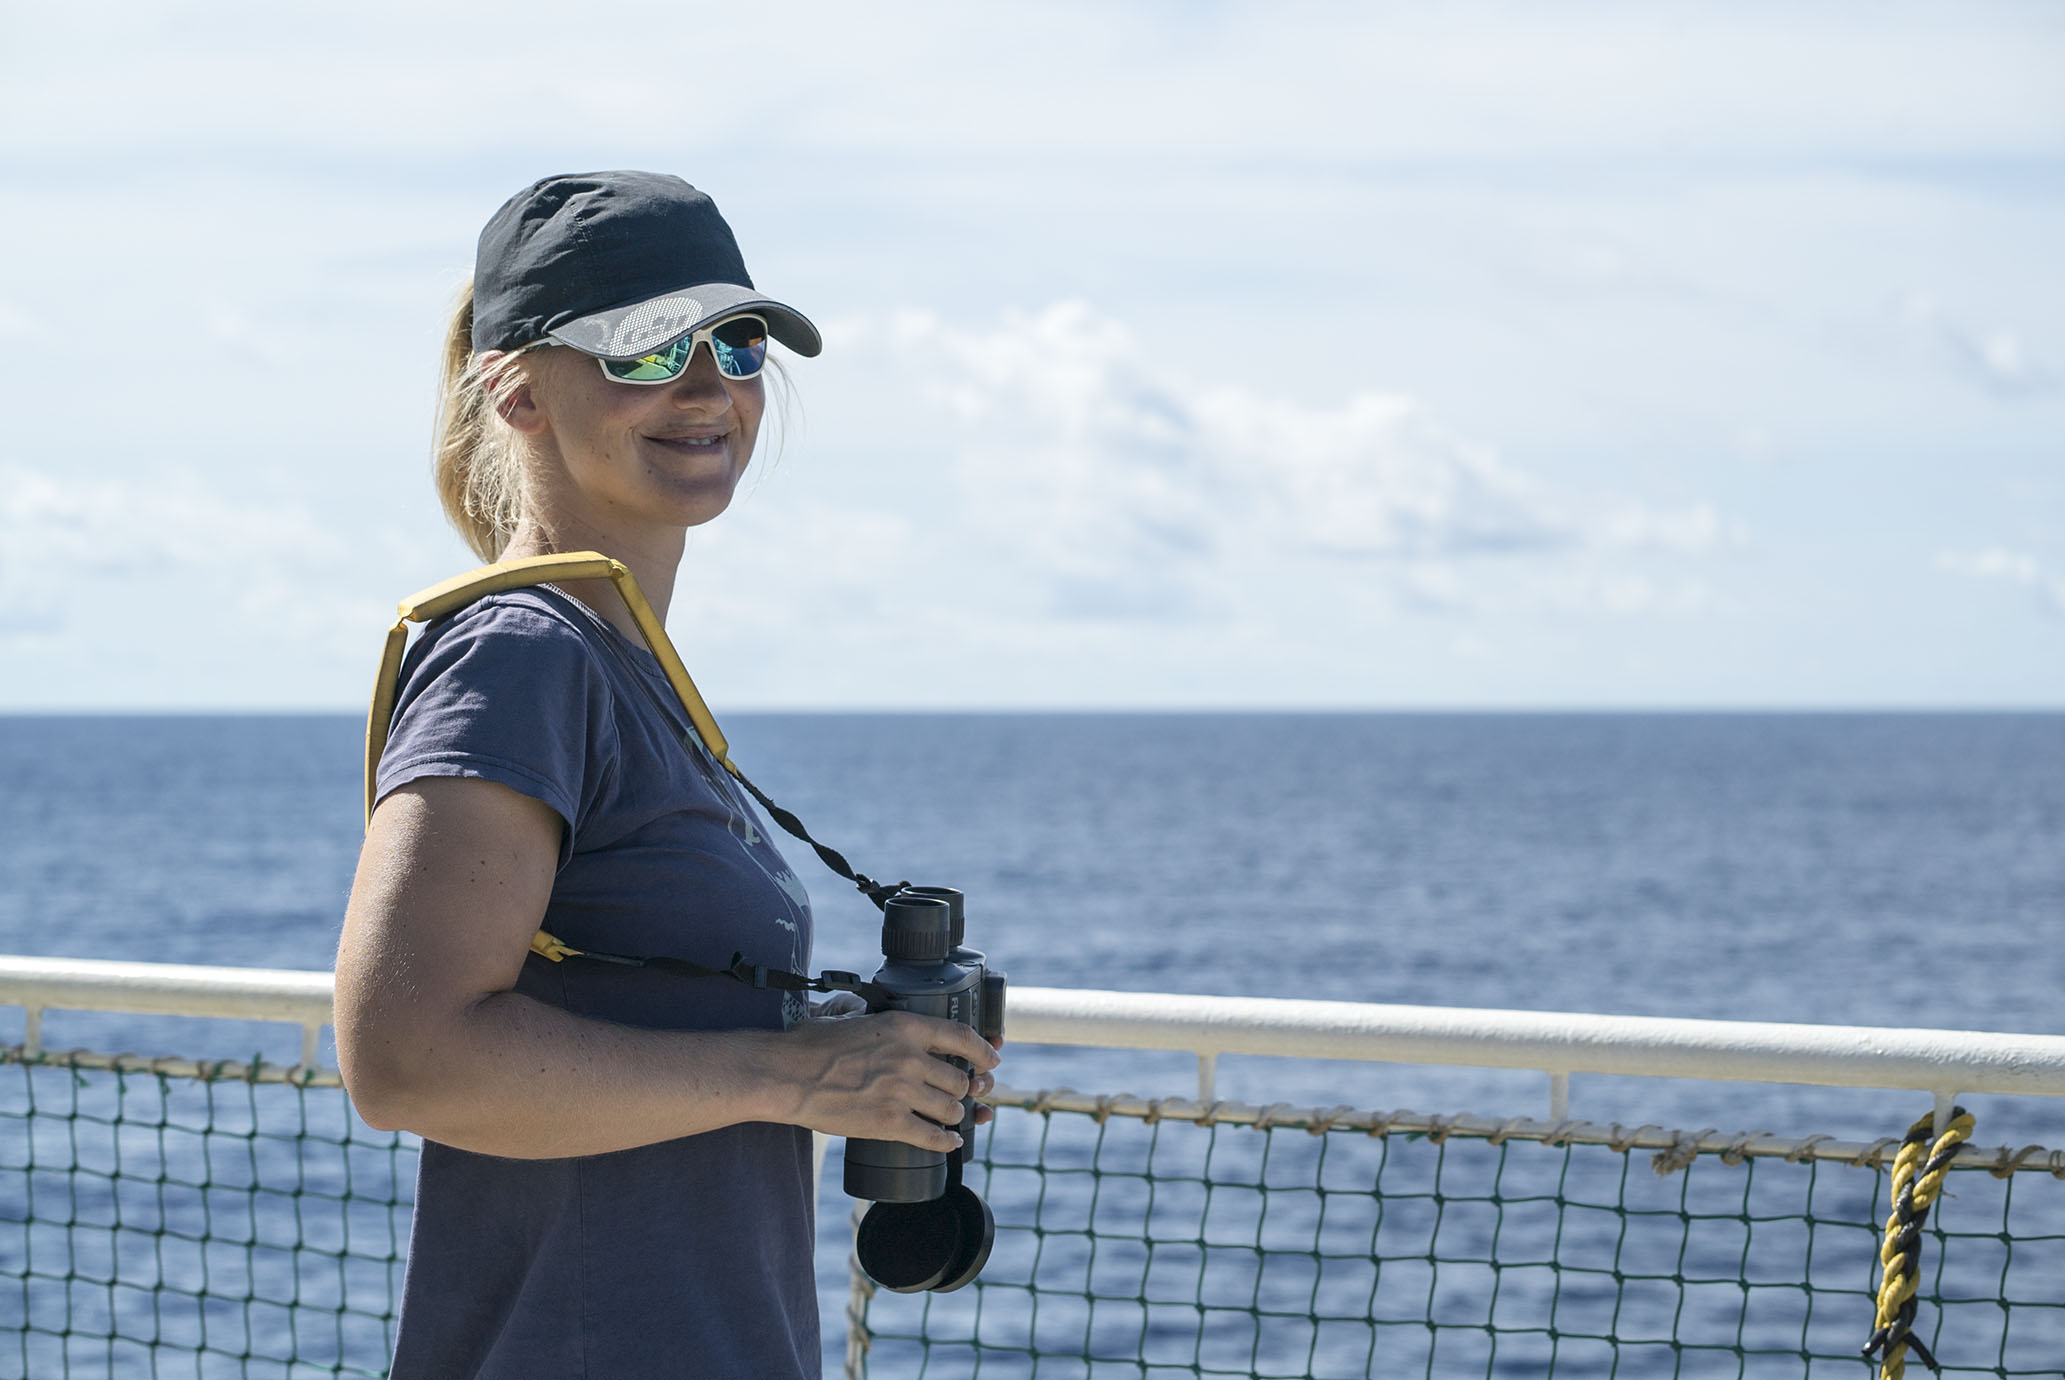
x,y
702,336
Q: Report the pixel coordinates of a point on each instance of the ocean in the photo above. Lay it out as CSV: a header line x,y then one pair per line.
x,y
1869,869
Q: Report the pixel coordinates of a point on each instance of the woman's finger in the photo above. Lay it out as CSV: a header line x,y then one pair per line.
x,y
941,1107
954,1040
951,1079
927,1135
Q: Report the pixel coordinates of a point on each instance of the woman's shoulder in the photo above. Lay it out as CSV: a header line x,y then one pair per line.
x,y
535,627
536,614
535,647
513,687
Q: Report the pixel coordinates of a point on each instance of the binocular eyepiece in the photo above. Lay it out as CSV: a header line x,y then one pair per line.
x,y
926,1229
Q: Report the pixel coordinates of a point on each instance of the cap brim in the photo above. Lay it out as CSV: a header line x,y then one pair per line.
x,y
640,328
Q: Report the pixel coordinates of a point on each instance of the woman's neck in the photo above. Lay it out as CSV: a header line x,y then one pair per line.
x,y
654,558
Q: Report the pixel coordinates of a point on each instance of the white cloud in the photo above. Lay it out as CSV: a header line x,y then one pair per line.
x,y
1129,490
175,591
75,552
1993,564
1998,358
1322,78
783,564
108,526
1753,444
2014,568
1624,525
1548,264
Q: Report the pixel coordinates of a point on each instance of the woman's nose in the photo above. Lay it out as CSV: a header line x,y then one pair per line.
x,y
700,383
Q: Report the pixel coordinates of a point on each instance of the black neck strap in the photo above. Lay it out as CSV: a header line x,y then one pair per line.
x,y
755,975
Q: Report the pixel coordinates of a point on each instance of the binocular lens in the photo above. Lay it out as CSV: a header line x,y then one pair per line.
x,y
938,1245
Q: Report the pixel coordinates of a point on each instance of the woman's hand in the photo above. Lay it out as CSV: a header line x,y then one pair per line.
x,y
883,1077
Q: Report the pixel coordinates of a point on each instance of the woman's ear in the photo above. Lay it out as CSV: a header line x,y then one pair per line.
x,y
509,387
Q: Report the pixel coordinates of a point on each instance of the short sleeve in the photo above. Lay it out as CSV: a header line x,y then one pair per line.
x,y
510,692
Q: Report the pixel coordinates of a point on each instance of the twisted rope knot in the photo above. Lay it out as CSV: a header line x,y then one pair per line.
x,y
2006,1161
1805,1149
1380,1123
1738,1149
1620,1140
1277,1112
1684,1149
1045,1099
1918,1173
1324,1119
1505,1129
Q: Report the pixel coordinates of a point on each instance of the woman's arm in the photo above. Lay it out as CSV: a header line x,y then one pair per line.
x,y
432,1038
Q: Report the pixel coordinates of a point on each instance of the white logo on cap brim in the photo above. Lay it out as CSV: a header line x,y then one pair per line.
x,y
659,320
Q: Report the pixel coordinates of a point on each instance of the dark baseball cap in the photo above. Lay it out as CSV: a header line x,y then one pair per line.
x,y
615,264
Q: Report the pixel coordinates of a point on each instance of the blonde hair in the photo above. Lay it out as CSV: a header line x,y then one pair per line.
x,y
474,458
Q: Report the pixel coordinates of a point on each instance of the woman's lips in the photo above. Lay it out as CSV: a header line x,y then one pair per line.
x,y
694,444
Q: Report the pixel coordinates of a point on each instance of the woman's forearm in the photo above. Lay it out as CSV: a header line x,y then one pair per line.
x,y
511,1076
514,1077
432,1036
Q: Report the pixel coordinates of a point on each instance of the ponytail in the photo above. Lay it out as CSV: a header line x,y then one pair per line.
x,y
474,458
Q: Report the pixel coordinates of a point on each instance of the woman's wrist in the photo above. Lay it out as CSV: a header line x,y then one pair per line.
x,y
769,1088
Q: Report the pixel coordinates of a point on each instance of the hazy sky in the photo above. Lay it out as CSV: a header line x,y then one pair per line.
x,y
1178,354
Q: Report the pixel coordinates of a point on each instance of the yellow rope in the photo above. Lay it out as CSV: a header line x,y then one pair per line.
x,y
1918,1173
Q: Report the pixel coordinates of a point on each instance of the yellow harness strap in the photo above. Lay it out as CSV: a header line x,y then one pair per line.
x,y
547,946
461,590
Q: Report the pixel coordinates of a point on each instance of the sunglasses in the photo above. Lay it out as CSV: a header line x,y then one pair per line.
x,y
737,343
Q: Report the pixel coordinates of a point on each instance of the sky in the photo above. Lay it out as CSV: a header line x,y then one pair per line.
x,y
1366,356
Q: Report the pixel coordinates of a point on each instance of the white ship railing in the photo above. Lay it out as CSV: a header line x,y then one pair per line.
x,y
1942,1063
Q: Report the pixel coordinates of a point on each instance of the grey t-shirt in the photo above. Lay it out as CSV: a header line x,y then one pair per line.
x,y
690,1258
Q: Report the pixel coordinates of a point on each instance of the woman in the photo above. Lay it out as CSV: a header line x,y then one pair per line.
x,y
616,1172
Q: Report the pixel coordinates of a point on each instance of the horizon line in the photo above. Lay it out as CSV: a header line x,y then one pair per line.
x,y
1168,711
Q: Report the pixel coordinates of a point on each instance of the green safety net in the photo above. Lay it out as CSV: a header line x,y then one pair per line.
x,y
203,1221
1133,1248
195,1226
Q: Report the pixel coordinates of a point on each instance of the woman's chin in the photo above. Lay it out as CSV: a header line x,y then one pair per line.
x,y
692,505
694,491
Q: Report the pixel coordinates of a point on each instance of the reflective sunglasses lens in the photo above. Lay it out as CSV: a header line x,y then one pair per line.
x,y
653,368
740,346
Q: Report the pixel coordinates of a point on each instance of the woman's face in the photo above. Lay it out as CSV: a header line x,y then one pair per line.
x,y
618,455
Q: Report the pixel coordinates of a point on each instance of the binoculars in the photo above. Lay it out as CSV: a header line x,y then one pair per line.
x,y
925,1229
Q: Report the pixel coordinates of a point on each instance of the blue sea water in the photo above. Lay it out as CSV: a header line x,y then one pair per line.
x,y
1871,869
